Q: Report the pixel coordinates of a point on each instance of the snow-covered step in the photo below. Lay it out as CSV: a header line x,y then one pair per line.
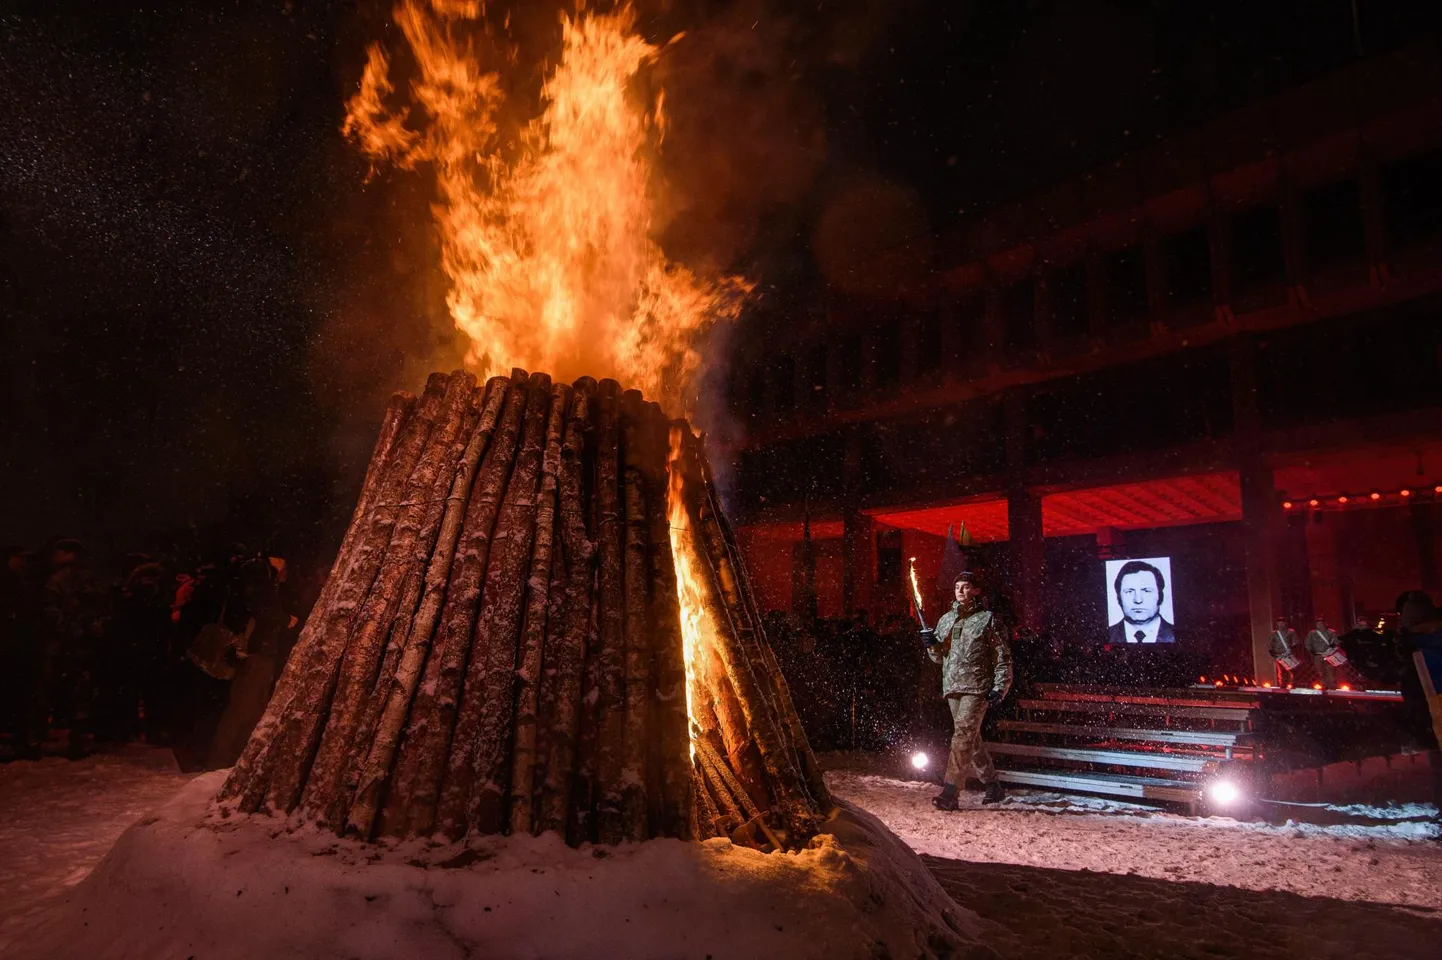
x,y
1112,784
1142,759
1238,714
1199,738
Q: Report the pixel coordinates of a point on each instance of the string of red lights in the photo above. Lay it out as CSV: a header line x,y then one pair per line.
x,y
1375,498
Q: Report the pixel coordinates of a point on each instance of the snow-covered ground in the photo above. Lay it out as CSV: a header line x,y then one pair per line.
x,y
58,818
1048,876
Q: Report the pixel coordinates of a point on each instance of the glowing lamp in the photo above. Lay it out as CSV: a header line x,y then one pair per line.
x,y
1316,686
1341,499
1219,683
1267,684
1404,493
1223,793
1313,502
1437,489
1202,678
919,760
1286,504
1376,496
1345,686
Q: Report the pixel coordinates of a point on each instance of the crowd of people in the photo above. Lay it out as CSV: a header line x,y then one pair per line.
x,y
169,653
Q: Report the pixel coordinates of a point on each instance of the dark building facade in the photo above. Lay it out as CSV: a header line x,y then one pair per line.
x,y
1225,349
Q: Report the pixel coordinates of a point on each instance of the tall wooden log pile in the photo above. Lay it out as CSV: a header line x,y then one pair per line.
x,y
499,646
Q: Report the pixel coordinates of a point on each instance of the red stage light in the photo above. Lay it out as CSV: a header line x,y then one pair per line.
x,y
1267,684
1345,686
1376,496
1202,678
1316,686
1404,493
1437,489
1286,504
1218,683
1313,502
1341,499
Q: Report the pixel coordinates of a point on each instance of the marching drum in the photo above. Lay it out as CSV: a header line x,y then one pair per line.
x,y
1289,661
1336,658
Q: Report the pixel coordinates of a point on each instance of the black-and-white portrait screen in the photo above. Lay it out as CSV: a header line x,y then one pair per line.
x,y
1140,594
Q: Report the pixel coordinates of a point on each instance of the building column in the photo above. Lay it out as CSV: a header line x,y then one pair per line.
x,y
858,552
1028,556
1424,526
1324,571
858,543
1026,546
1261,512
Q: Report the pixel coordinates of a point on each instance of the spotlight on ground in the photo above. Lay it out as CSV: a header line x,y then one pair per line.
x,y
919,760
1223,793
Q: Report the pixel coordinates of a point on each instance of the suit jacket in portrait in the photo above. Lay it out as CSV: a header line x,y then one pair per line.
x,y
1118,633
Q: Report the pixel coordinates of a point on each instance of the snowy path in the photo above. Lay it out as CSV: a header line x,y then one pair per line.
x,y
58,818
1375,864
1055,878
1058,880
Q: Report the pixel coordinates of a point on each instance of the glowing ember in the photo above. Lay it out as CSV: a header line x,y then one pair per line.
x,y
545,231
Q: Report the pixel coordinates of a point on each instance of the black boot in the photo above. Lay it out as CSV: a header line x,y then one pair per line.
x,y
946,799
993,794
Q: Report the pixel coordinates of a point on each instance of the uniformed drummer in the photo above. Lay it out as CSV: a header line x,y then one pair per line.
x,y
1283,647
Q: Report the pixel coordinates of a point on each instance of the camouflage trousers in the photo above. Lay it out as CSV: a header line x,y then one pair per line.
x,y
968,757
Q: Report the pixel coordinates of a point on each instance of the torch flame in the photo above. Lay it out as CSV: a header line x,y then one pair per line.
x,y
547,246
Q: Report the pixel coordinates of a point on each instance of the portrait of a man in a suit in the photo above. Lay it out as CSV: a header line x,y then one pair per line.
x,y
1140,589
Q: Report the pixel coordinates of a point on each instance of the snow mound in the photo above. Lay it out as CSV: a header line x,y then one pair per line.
x,y
186,881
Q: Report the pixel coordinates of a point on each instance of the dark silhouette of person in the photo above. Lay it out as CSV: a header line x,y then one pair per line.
x,y
1140,589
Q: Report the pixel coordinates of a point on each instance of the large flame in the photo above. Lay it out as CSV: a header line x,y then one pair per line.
x,y
688,588
547,246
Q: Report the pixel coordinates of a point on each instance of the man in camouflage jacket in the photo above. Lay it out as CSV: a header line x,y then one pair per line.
x,y
975,673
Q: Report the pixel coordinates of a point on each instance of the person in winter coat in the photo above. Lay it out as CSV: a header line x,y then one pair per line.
x,y
975,673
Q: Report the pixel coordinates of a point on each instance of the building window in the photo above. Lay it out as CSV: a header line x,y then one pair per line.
x,y
1126,271
783,378
1332,227
1188,260
928,342
1018,318
888,356
1255,236
1412,199
1068,289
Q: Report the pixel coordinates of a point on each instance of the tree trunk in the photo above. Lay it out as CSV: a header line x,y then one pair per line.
x,y
427,744
638,687
477,774
361,662
566,635
292,746
611,660
382,751
528,676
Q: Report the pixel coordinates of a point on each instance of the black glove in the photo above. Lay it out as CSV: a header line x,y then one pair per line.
x,y
994,698
928,637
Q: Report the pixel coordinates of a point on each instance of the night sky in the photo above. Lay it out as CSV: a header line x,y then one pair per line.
x,y
204,300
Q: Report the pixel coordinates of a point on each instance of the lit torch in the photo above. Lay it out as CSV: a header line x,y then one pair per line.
x,y
916,594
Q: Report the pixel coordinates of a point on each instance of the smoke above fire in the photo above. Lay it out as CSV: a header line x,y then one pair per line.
x,y
546,224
